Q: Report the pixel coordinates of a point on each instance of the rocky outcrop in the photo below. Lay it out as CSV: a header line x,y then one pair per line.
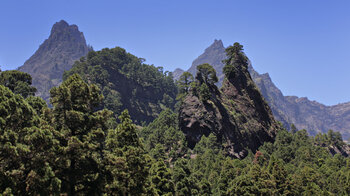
x,y
65,45
237,114
343,150
303,113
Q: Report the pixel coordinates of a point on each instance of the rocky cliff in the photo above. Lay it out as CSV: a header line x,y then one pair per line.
x,y
303,113
65,45
237,114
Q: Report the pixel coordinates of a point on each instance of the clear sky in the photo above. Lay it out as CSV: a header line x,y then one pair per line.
x,y
303,44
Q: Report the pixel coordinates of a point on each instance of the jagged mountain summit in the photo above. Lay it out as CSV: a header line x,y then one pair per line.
x,y
303,113
57,54
237,113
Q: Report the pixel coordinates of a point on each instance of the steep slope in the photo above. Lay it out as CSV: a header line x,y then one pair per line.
x,y
127,83
213,55
237,113
65,45
303,113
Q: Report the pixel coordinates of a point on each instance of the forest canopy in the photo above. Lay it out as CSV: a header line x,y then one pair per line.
x,y
79,147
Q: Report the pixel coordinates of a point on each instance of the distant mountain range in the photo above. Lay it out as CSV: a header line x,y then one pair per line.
x,y
65,45
303,113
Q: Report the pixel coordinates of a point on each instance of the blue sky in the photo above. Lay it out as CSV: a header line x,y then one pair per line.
x,y
303,45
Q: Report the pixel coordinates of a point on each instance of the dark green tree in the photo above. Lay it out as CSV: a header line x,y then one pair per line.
x,y
27,149
184,82
236,58
185,184
82,133
163,133
18,82
293,129
206,74
37,103
126,152
204,92
161,178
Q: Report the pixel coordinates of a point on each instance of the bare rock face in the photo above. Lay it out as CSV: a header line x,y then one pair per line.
x,y
237,114
57,54
343,150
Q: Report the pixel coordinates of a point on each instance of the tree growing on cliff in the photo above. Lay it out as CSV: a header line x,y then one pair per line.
x,y
184,82
236,58
206,74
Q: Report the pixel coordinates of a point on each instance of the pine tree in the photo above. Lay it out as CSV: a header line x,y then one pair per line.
x,y
27,149
127,162
206,74
82,136
184,82
161,178
18,82
185,184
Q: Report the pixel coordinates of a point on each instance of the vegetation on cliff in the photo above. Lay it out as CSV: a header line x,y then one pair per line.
x,y
127,83
236,114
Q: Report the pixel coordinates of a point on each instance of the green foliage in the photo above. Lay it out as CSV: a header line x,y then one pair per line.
x,y
127,163
204,92
235,53
82,132
334,138
71,149
184,82
127,83
27,149
167,101
206,74
37,103
185,184
161,179
236,58
164,136
293,129
18,82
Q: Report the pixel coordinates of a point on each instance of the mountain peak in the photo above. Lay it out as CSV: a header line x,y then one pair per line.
x,y
216,45
65,45
62,26
59,26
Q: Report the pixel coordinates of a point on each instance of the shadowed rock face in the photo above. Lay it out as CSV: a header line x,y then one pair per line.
x,y
237,114
303,113
65,45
